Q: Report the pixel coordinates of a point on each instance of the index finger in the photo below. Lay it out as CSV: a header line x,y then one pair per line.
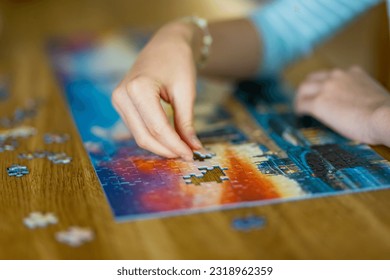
x,y
156,121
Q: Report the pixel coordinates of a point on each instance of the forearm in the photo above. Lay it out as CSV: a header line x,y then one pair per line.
x,y
234,53
272,37
236,49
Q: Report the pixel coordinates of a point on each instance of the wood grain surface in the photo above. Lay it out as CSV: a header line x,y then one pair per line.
x,y
353,226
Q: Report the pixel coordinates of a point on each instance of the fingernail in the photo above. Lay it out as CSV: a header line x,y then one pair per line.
x,y
196,142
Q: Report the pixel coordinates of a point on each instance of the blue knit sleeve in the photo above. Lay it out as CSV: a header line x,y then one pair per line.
x,y
290,29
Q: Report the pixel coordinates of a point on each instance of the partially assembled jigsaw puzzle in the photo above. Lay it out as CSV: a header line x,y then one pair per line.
x,y
256,150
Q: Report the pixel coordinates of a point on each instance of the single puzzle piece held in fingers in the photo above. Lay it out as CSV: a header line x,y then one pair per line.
x,y
198,156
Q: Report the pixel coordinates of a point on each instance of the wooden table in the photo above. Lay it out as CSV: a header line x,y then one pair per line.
x,y
346,226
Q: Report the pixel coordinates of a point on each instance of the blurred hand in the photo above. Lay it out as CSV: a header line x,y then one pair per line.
x,y
350,102
165,69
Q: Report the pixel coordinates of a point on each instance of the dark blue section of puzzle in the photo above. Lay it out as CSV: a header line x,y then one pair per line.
x,y
335,164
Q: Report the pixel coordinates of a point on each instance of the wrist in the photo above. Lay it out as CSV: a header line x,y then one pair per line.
x,y
380,128
187,32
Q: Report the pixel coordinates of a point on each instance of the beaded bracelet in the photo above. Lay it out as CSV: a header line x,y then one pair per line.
x,y
207,40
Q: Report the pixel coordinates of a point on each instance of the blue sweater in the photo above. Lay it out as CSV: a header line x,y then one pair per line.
x,y
290,29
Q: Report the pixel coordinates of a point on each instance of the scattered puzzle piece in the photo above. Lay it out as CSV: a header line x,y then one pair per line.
x,y
248,223
34,155
19,132
8,145
51,138
59,158
37,219
209,174
17,170
41,154
21,114
28,156
75,236
56,158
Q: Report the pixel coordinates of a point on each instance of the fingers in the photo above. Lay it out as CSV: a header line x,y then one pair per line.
x,y
318,76
308,90
145,96
312,84
303,104
356,69
135,123
315,85
183,104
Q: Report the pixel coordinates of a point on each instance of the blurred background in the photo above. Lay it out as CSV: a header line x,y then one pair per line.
x,y
26,25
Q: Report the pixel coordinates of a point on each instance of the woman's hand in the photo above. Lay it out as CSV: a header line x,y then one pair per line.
x,y
165,69
350,102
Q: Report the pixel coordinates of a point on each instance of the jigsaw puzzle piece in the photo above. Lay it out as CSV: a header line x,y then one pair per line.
x,y
18,171
38,219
